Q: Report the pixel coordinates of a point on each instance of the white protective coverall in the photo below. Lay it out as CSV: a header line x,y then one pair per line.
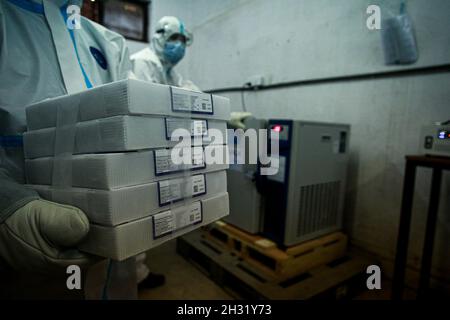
x,y
150,64
41,57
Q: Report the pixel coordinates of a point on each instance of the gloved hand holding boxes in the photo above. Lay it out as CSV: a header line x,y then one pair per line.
x,y
108,152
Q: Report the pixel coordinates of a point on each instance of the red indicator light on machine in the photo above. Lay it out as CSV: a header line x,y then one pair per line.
x,y
277,128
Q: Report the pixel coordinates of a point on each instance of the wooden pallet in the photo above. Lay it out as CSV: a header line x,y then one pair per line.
x,y
342,278
265,255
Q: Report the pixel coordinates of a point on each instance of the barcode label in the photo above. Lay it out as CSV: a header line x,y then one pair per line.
x,y
197,128
191,101
163,223
198,184
173,190
167,222
164,163
198,157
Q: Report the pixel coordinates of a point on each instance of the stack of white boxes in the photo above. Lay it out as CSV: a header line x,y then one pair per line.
x,y
121,171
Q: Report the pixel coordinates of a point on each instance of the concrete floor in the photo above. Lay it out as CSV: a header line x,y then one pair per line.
x,y
183,280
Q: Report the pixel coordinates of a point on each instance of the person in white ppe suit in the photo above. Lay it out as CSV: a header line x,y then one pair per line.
x,y
167,48
156,64
46,50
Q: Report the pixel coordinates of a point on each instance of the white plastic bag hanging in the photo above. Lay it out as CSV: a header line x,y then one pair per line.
x,y
398,38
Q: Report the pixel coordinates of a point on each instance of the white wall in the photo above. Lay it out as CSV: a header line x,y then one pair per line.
x,y
298,39
291,40
135,46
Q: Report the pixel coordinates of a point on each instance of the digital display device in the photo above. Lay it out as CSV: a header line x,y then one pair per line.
x,y
444,134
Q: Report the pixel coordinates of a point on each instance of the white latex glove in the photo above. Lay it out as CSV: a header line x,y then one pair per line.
x,y
42,235
237,118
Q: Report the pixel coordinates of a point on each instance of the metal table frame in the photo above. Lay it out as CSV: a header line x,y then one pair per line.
x,y
438,164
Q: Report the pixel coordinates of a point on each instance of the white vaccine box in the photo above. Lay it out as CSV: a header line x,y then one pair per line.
x,y
130,239
123,133
116,170
130,97
117,206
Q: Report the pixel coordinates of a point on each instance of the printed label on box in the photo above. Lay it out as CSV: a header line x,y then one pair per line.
x,y
198,185
169,221
173,190
190,217
163,223
198,128
190,101
198,158
165,165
